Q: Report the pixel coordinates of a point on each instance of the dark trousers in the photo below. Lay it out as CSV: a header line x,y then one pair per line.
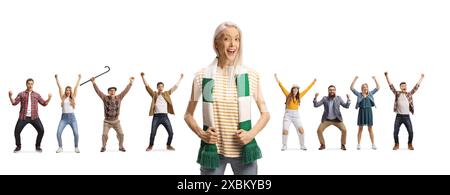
x,y
36,124
161,119
403,119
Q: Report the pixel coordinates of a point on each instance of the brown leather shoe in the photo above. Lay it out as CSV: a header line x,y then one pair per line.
x,y
149,148
410,147
169,147
322,147
396,147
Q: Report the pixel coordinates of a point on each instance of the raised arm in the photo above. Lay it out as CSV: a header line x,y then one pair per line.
x,y
97,90
421,79
317,103
286,92
352,86
391,86
60,90
303,93
416,87
376,82
345,104
143,79
387,78
175,87
377,85
75,90
127,88
147,86
276,77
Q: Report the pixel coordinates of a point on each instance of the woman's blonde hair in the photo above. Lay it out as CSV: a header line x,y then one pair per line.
x,y
362,86
218,32
71,98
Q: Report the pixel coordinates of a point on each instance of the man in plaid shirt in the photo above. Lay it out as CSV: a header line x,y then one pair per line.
x,y
403,105
29,100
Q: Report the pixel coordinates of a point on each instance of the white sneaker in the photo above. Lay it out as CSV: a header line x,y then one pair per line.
x,y
77,150
303,148
59,150
358,147
284,148
374,147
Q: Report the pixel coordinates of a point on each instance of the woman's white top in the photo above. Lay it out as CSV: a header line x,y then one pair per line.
x,y
67,108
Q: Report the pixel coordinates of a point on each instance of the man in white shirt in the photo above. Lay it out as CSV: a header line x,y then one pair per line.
x,y
403,105
29,114
160,107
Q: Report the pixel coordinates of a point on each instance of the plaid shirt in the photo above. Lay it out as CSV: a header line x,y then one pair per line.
x,y
408,96
22,98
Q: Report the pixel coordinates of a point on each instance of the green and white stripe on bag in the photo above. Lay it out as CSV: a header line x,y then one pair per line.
x,y
208,156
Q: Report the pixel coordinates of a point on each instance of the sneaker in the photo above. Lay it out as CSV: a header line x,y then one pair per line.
x,y
149,148
303,148
103,149
284,148
374,147
169,147
77,150
396,147
59,150
410,147
343,147
38,149
122,149
322,147
17,149
358,147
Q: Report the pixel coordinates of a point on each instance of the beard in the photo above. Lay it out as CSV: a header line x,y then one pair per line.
x,y
331,95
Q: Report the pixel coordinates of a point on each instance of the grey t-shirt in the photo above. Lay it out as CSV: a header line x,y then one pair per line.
x,y
403,104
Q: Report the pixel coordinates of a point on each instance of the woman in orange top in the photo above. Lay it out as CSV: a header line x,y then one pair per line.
x,y
291,115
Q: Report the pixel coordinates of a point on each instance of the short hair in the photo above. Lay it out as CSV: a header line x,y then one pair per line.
x,y
159,83
402,83
115,89
331,86
30,79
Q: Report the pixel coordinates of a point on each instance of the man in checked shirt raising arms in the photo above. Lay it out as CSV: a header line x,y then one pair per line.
x,y
29,100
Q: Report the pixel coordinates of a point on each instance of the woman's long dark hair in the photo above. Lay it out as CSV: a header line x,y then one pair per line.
x,y
291,97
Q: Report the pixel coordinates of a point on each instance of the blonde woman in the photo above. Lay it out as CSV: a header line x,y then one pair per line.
x,y
365,103
68,97
226,87
291,115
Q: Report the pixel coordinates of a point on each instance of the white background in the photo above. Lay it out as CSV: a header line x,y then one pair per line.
x,y
300,40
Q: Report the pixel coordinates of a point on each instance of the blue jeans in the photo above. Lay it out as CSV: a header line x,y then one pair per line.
x,y
67,119
161,119
238,167
403,119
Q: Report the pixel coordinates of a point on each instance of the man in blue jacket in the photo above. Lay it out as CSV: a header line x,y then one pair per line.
x,y
332,115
